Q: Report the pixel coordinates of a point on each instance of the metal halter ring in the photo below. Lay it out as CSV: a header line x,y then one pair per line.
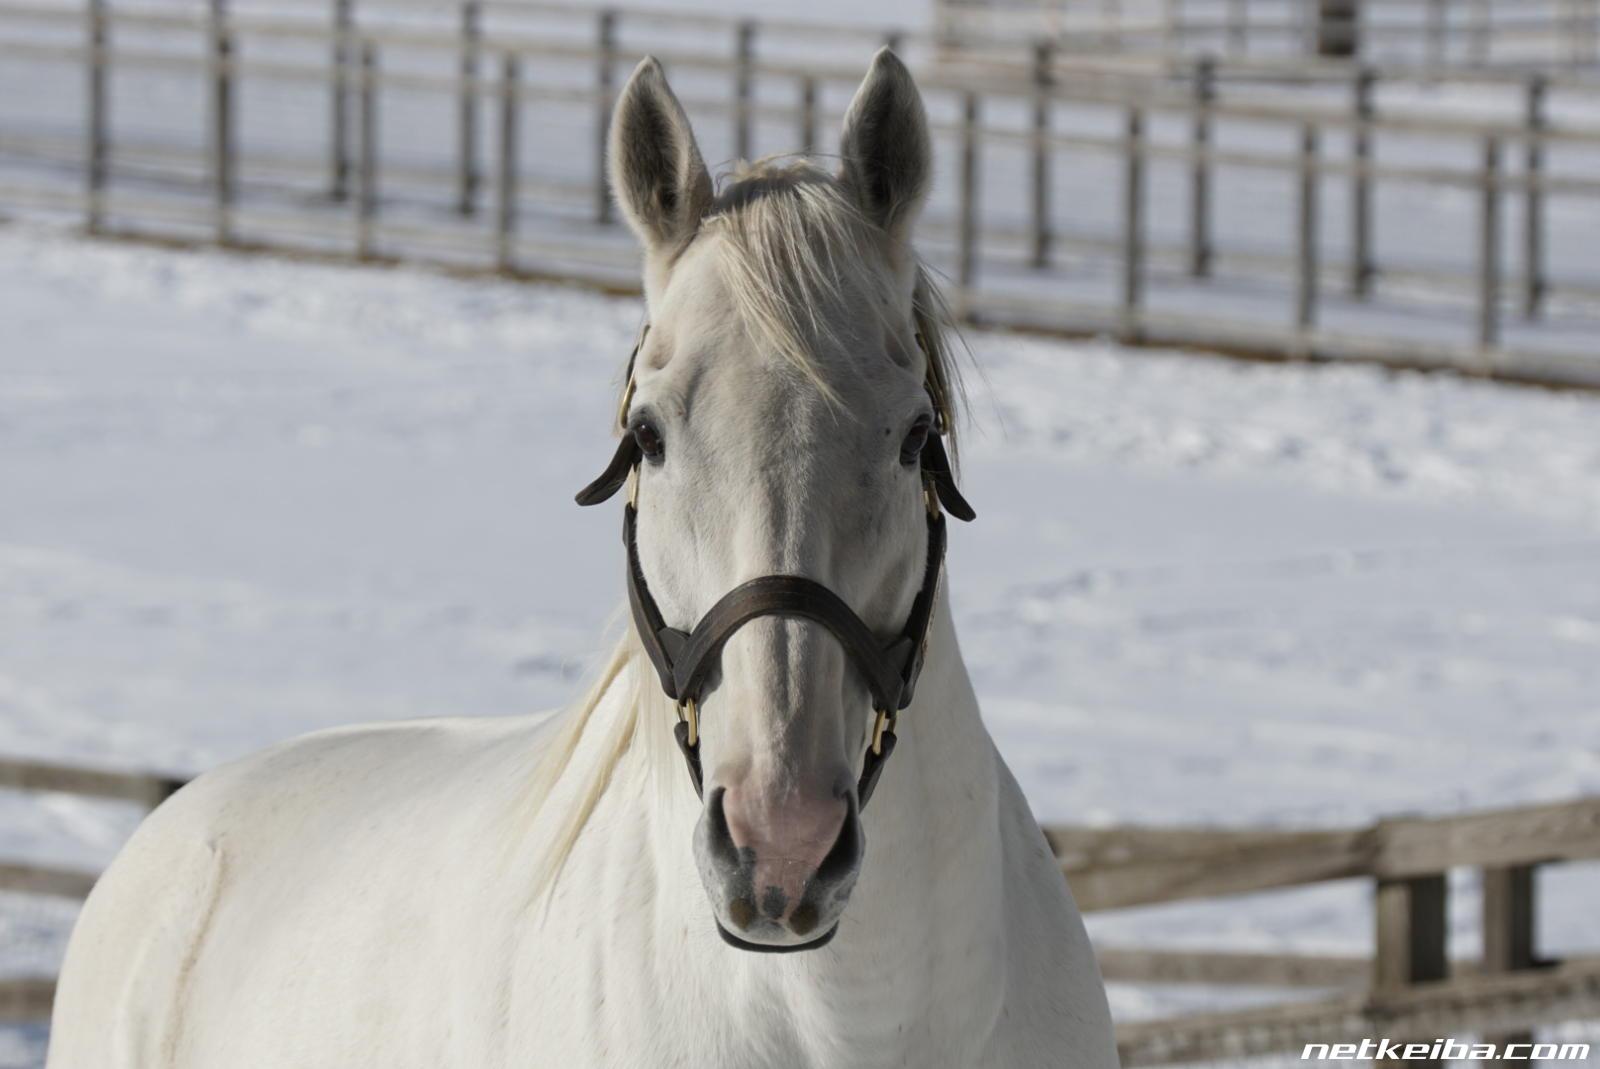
x,y
692,718
884,723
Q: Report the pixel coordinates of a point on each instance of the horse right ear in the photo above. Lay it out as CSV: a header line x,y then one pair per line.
x,y
660,181
887,152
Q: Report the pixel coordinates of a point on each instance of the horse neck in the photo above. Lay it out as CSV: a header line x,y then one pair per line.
x,y
933,822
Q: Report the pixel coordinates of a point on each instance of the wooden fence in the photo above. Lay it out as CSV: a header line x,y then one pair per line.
x,y
27,999
1407,990
1435,32
220,190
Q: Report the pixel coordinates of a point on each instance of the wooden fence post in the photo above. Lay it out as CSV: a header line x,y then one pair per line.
x,y
1410,948
1508,927
967,233
1489,249
1571,13
606,46
1582,33
1482,31
744,52
339,102
1133,227
95,119
506,205
1437,31
367,193
808,115
1306,277
1205,93
1114,24
1338,28
1043,79
1238,28
1361,267
222,147
467,109
1533,281
1591,31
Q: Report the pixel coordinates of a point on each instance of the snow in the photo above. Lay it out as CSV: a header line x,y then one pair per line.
x,y
242,498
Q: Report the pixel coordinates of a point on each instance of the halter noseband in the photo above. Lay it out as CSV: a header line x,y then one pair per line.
x,y
684,661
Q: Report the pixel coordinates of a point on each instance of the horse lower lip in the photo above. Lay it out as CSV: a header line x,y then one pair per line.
x,y
776,948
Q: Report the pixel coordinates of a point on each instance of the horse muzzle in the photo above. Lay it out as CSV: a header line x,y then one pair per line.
x,y
778,881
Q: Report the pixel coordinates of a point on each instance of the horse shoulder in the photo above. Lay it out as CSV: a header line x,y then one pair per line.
x,y
1056,1006
120,1001
133,991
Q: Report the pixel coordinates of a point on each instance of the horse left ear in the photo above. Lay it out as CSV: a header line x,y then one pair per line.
x,y
888,155
660,180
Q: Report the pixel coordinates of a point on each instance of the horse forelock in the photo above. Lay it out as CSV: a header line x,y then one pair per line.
x,y
809,272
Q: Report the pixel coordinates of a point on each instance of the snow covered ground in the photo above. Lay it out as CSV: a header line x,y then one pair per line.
x,y
241,499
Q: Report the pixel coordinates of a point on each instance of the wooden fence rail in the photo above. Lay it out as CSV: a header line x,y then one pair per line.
x,y
1475,32
1119,867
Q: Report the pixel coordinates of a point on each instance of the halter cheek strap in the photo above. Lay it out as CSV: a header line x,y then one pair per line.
x,y
686,661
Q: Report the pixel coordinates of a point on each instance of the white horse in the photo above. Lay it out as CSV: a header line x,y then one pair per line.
x,y
522,893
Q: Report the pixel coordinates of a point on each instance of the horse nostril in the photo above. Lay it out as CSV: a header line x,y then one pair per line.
x,y
847,849
742,912
720,840
803,921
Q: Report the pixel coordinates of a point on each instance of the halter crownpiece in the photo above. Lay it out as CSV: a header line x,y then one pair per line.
x,y
685,660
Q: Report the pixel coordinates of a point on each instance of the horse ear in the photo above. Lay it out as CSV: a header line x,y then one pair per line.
x,y
888,156
661,183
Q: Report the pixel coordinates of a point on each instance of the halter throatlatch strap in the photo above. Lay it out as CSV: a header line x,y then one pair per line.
x,y
685,661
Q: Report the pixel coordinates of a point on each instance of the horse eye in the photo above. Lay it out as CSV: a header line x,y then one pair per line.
x,y
911,448
648,439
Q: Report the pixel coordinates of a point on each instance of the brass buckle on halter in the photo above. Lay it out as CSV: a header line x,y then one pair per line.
x,y
692,718
627,399
627,389
930,497
884,723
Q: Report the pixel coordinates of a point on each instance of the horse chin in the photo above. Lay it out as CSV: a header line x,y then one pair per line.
x,y
783,942
809,926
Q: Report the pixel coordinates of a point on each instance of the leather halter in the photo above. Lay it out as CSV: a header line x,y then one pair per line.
x,y
685,661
